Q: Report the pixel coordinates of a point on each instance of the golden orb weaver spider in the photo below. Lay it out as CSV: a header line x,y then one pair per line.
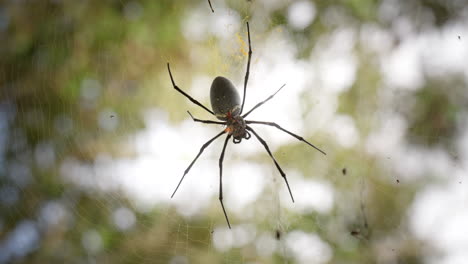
x,y
225,102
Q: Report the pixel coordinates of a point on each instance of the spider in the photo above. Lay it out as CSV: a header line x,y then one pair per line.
x,y
225,102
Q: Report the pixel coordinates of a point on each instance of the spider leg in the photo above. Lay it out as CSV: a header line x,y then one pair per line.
x,y
262,102
185,94
290,133
221,179
212,10
198,155
206,121
273,158
246,79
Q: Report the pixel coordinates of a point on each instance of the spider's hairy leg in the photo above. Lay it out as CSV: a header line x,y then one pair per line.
x,y
284,130
198,155
206,121
221,158
185,94
262,102
246,79
274,160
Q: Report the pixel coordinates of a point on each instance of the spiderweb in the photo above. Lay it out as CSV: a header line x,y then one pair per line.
x,y
94,139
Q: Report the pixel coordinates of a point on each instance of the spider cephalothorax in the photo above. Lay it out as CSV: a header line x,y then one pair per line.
x,y
237,127
227,107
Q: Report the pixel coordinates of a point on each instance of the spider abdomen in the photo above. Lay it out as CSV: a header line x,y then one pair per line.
x,y
224,98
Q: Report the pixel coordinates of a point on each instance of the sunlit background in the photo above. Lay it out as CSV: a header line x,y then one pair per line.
x,y
94,138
